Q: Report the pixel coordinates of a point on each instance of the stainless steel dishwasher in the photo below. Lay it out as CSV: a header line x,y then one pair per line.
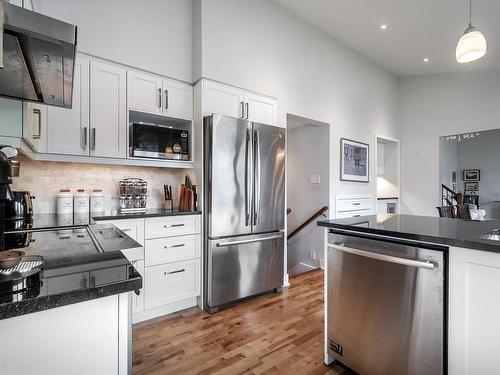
x,y
386,305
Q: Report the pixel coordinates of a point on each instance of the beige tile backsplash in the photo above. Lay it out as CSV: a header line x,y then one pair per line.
x,y
44,179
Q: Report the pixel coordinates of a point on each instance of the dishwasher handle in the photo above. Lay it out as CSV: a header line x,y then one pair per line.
x,y
383,257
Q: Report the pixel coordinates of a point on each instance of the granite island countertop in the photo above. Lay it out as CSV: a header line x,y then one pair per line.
x,y
445,231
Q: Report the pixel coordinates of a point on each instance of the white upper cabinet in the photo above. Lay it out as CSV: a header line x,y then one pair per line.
x,y
152,94
177,99
11,118
222,99
108,110
260,108
68,129
144,92
234,102
35,126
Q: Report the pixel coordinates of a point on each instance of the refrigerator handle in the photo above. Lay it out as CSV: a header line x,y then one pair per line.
x,y
256,153
247,178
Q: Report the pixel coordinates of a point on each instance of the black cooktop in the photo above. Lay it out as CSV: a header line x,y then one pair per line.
x,y
80,263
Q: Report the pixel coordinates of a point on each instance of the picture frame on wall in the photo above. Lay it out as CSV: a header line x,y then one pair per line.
x,y
354,161
471,186
471,175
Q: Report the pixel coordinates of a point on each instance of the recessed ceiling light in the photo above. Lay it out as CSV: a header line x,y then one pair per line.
x,y
383,26
426,59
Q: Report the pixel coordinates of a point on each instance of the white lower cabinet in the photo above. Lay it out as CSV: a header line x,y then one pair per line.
x,y
474,308
172,282
169,263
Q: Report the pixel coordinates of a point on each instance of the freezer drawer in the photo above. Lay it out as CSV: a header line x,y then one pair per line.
x,y
240,267
385,311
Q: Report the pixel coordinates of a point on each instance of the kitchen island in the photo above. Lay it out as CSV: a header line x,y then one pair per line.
x,y
464,255
74,316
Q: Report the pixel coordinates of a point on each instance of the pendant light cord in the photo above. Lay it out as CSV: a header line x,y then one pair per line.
x,y
470,12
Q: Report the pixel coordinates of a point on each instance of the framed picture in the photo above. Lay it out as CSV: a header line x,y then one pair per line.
x,y
472,175
354,161
471,186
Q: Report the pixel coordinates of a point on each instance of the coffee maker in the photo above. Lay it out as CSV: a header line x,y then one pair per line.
x,y
6,196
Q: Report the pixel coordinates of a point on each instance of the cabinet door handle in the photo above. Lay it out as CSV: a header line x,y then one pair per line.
x,y
37,134
247,108
92,146
159,98
85,136
173,246
166,99
126,229
173,225
242,108
171,272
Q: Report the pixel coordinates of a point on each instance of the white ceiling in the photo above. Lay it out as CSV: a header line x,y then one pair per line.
x,y
415,29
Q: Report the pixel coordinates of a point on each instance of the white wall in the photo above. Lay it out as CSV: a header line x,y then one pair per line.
x,y
258,45
307,154
448,162
483,152
433,106
154,35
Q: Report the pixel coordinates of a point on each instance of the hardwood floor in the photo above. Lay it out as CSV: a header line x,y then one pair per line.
x,y
275,333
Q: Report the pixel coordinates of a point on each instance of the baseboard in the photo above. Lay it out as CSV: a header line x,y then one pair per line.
x,y
142,316
301,268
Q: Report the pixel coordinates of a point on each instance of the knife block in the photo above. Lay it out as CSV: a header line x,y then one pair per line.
x,y
186,199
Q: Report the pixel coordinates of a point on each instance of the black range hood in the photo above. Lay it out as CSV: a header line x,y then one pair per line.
x,y
37,57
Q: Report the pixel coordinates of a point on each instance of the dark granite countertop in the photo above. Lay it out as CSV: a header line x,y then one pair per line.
x,y
80,264
154,212
452,232
52,220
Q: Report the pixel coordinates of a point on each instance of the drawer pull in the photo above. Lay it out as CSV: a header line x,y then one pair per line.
x,y
126,229
172,246
173,225
356,204
171,272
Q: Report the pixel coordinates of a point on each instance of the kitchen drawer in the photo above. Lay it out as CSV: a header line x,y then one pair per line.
x,y
172,249
346,214
172,282
172,226
134,228
353,204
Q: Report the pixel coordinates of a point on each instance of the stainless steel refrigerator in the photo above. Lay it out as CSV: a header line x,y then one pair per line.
x,y
244,173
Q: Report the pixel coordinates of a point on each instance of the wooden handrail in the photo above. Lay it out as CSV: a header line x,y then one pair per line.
x,y
451,191
307,222
459,198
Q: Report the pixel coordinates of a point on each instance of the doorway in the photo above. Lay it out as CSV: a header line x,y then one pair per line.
x,y
388,175
308,191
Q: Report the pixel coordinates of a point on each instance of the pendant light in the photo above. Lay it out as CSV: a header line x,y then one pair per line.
x,y
472,44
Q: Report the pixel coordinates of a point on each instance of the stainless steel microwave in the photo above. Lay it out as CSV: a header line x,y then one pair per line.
x,y
158,141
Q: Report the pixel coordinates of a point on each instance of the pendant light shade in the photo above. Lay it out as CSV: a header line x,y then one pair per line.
x,y
471,46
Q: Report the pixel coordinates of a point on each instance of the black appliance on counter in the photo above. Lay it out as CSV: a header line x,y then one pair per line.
x,y
158,141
